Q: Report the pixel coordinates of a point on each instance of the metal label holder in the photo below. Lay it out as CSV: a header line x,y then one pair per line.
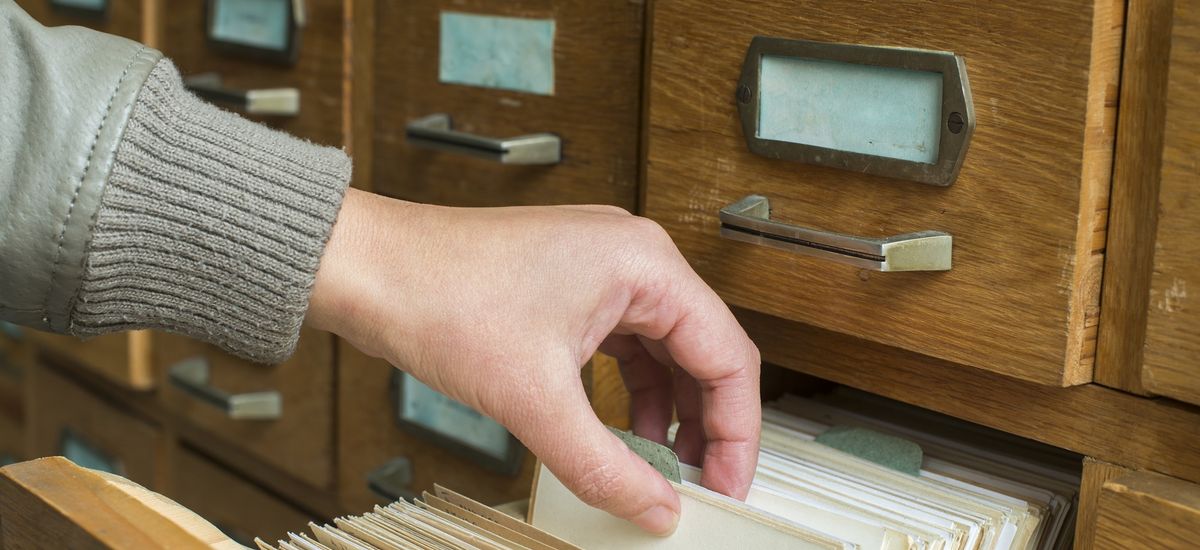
x,y
508,465
294,20
957,113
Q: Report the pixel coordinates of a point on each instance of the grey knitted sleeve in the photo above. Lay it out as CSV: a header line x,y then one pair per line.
x,y
210,226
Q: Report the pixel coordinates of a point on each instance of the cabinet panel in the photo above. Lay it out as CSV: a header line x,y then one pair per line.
x,y
593,52
1146,510
298,440
236,506
67,419
122,358
1026,212
1172,350
119,17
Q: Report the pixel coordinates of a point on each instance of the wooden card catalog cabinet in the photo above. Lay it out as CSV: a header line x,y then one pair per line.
x,y
119,17
386,453
925,174
282,415
275,61
487,102
1172,351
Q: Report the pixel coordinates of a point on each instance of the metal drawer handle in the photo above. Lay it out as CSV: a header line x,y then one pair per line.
x,y
434,132
267,101
192,376
749,220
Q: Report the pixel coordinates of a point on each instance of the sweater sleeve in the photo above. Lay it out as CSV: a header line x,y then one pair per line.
x,y
210,226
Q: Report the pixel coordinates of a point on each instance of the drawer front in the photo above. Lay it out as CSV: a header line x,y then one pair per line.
x,y
236,506
1026,212
370,438
68,420
123,358
316,72
119,17
1145,510
1172,350
589,99
234,398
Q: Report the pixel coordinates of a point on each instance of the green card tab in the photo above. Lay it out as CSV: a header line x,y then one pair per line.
x,y
660,457
886,450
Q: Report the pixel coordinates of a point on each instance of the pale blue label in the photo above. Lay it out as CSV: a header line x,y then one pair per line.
x,y
886,112
97,5
422,405
256,23
508,53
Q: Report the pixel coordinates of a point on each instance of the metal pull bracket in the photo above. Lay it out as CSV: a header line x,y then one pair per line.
x,y
435,132
266,101
749,220
193,377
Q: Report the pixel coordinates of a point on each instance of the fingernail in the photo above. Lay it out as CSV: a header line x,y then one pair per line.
x,y
658,520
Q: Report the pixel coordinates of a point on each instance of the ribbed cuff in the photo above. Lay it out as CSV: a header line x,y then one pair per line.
x,y
210,226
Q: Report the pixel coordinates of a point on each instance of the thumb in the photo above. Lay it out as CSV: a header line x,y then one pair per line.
x,y
595,465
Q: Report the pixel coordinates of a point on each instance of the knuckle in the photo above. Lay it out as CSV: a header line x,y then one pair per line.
x,y
600,486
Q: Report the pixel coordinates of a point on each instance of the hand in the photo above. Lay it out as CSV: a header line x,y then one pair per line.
x,y
500,307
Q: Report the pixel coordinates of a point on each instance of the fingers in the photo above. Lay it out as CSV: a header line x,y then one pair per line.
x,y
649,385
704,339
689,439
595,465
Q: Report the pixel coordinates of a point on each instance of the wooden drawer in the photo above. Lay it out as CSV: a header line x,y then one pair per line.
x,y
1026,213
238,507
298,440
1172,350
122,17
369,437
68,420
1147,510
123,358
316,72
592,102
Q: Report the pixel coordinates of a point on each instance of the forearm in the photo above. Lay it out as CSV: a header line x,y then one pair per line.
x,y
125,202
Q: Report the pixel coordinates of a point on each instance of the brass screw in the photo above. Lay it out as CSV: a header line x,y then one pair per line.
x,y
955,123
743,94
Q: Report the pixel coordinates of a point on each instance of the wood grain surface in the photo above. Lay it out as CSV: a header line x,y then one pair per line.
x,y
124,17
1095,474
1172,353
369,436
595,107
1148,511
300,442
58,403
52,503
1027,212
238,507
1092,420
122,358
317,72
1133,214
